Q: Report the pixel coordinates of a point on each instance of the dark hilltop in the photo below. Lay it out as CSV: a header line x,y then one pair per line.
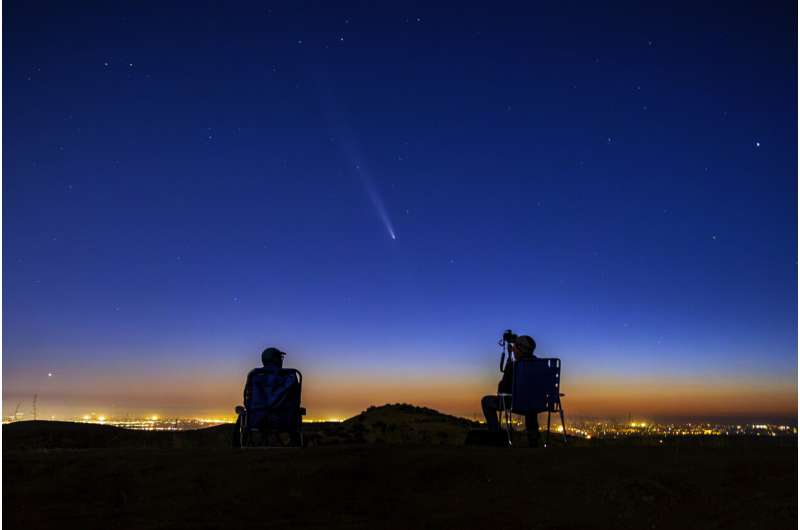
x,y
395,466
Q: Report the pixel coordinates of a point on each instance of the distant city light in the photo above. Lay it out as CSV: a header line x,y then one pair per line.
x,y
579,428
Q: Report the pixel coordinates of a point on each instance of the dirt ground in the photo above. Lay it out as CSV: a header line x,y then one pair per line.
x,y
401,486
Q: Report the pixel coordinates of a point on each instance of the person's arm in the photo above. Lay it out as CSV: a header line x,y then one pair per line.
x,y
505,384
246,391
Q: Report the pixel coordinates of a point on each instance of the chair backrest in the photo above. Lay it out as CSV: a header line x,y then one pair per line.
x,y
272,395
536,385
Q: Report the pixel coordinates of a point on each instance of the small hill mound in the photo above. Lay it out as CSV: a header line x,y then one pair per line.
x,y
398,423
404,413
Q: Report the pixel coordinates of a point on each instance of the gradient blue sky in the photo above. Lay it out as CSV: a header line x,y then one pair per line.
x,y
185,185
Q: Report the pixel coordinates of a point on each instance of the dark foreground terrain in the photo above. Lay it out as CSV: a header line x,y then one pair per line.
x,y
108,478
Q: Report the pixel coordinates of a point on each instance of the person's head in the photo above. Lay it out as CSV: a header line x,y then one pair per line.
x,y
272,357
524,346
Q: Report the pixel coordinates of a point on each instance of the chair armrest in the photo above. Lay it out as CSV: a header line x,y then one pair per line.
x,y
499,394
562,395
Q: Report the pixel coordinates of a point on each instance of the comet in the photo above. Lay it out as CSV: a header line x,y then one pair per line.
x,y
351,149
375,199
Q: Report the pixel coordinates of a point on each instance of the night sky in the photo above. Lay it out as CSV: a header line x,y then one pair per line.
x,y
380,190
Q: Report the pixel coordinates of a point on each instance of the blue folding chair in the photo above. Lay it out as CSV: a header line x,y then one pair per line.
x,y
271,407
536,388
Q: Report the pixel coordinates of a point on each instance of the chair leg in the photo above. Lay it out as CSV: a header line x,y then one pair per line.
x,y
547,436
563,425
301,438
507,415
296,436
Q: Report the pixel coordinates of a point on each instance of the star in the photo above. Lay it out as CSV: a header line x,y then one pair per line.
x,y
49,374
758,144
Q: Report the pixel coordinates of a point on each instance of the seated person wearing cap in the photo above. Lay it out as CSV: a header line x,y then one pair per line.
x,y
272,359
523,347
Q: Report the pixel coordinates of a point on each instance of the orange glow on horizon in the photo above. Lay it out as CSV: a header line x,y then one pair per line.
x,y
339,398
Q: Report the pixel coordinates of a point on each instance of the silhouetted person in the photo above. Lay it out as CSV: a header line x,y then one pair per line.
x,y
272,360
523,347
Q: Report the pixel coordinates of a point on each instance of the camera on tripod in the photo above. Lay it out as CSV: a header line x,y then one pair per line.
x,y
509,337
